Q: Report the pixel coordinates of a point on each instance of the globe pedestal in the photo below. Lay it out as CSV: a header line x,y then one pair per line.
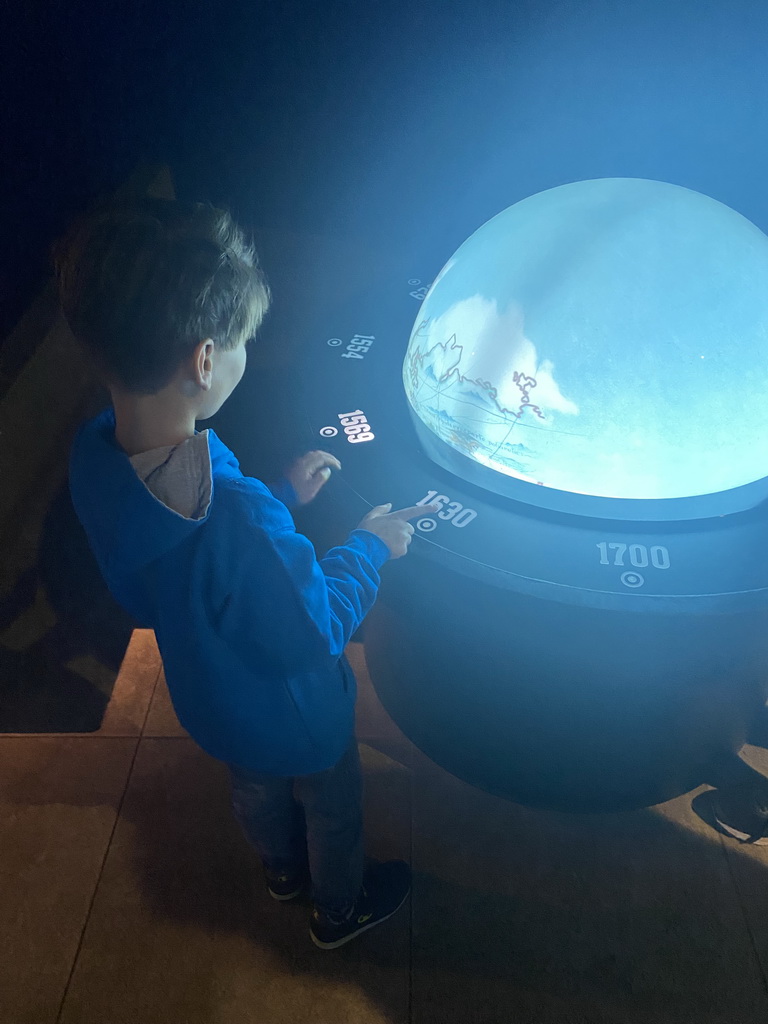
x,y
561,707
583,393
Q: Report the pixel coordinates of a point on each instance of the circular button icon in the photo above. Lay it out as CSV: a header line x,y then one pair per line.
x,y
632,579
329,431
335,342
426,525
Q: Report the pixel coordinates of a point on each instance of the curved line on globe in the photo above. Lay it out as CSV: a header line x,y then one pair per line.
x,y
452,353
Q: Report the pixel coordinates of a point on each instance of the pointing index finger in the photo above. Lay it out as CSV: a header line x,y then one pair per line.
x,y
412,511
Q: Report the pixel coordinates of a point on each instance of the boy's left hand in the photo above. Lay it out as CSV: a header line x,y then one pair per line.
x,y
310,472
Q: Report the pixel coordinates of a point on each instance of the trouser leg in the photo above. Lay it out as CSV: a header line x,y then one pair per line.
x,y
271,818
333,811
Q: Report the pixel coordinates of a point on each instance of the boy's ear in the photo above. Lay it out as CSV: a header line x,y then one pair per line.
x,y
201,360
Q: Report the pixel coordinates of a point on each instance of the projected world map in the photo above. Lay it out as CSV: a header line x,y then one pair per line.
x,y
607,337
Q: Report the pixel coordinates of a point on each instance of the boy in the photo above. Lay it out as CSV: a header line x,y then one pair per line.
x,y
250,625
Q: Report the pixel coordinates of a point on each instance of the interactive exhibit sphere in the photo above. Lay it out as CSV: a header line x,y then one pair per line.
x,y
607,338
590,370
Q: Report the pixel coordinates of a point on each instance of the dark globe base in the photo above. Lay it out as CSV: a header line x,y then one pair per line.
x,y
551,647
559,706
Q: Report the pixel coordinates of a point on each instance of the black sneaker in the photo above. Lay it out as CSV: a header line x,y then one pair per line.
x,y
384,892
742,814
286,887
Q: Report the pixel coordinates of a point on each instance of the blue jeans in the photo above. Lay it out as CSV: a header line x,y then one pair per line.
x,y
310,821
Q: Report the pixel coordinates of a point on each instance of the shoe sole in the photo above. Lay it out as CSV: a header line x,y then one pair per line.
x,y
353,935
741,836
283,897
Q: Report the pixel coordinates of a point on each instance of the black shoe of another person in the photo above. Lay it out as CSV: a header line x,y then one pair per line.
x,y
384,892
286,886
743,814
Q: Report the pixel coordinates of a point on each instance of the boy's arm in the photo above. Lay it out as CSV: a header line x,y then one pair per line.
x,y
275,600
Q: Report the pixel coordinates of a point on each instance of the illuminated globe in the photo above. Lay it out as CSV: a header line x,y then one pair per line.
x,y
606,337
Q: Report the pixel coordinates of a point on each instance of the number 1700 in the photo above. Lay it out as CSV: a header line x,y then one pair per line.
x,y
639,555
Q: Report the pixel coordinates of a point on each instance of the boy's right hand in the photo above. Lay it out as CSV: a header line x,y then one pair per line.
x,y
393,527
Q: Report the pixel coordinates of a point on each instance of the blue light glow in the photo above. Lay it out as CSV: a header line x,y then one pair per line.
x,y
607,337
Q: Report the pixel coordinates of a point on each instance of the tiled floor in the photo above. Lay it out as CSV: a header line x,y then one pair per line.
x,y
129,897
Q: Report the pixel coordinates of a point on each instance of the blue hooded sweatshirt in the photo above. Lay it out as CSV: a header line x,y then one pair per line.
x,y
251,626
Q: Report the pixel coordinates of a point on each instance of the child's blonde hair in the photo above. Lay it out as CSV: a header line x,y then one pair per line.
x,y
142,282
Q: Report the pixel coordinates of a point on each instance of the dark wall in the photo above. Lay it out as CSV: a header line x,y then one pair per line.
x,y
394,118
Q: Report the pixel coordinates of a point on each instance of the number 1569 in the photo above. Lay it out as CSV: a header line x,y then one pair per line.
x,y
356,426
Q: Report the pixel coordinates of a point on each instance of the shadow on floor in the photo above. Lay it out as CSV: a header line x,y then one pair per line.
x,y
528,916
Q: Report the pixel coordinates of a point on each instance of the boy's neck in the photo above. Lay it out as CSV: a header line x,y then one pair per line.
x,y
144,422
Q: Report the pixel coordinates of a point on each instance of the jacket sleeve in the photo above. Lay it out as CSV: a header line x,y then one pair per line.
x,y
275,600
283,490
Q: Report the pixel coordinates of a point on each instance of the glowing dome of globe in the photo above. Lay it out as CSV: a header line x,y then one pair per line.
x,y
607,337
